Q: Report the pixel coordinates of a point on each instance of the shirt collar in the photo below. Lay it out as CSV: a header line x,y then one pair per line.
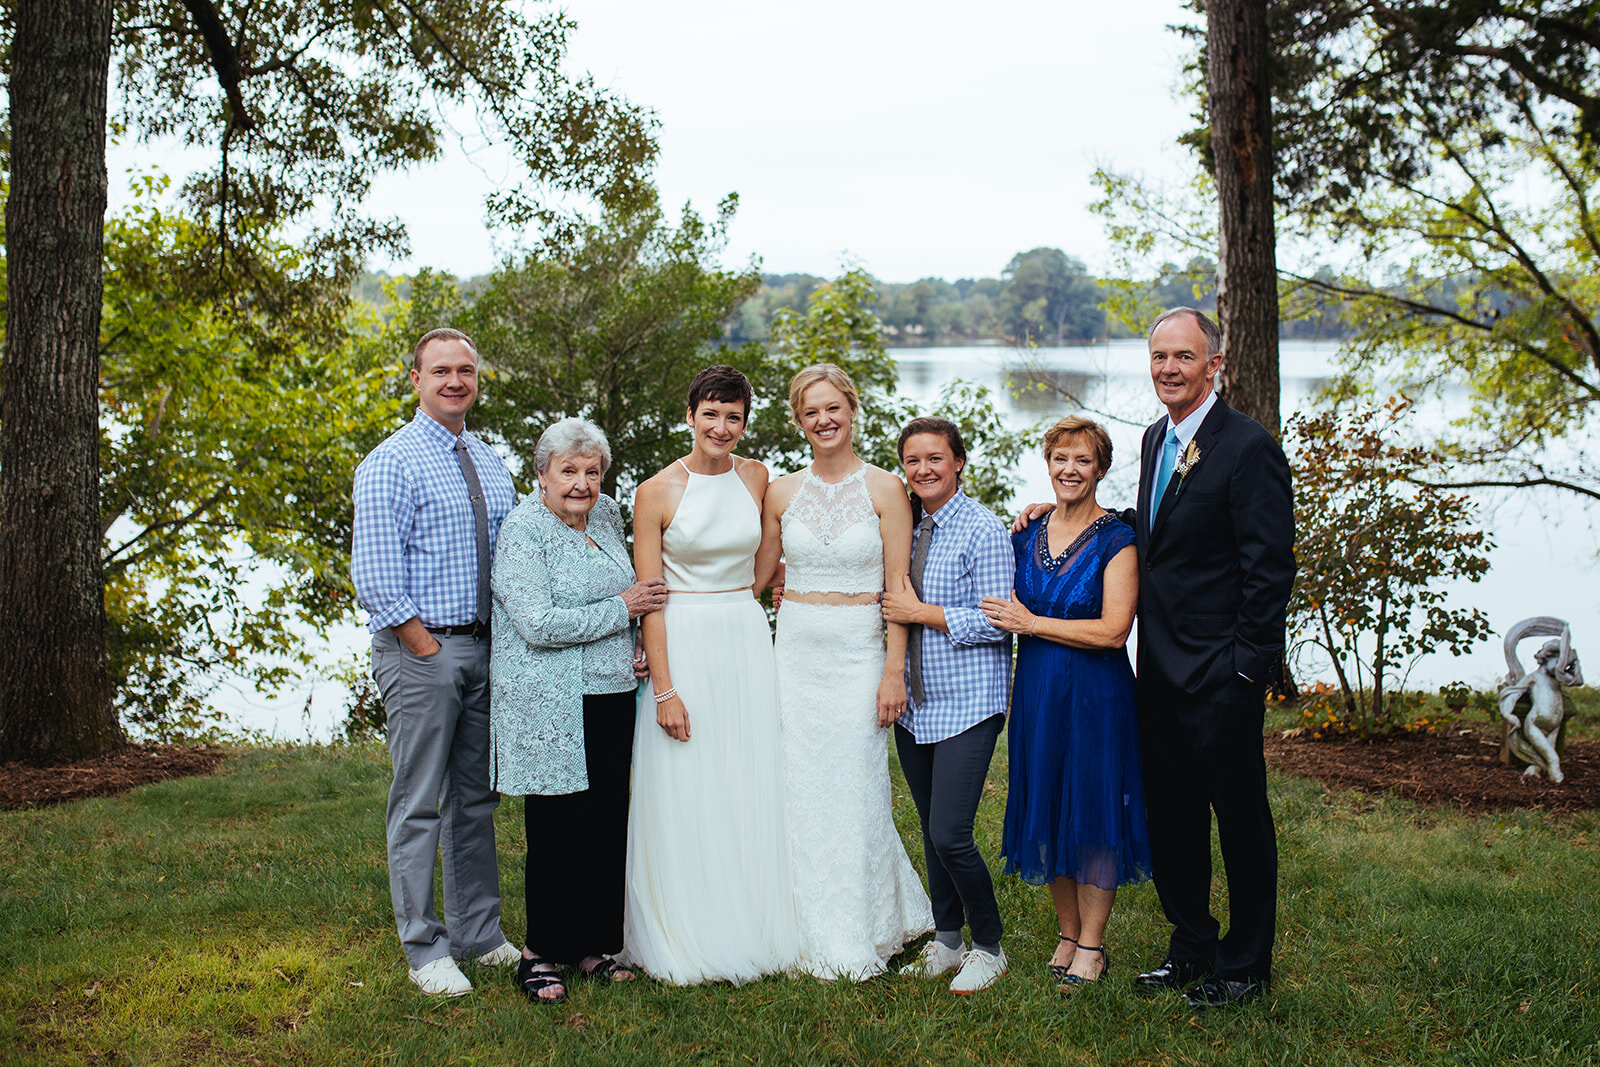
x,y
436,431
1191,422
950,508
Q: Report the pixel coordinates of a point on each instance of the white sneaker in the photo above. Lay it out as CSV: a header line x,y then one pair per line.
x,y
504,956
979,970
934,960
442,978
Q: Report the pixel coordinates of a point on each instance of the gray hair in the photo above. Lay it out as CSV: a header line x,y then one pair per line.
x,y
1207,327
572,435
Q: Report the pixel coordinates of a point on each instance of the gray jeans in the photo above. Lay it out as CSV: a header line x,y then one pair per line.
x,y
440,802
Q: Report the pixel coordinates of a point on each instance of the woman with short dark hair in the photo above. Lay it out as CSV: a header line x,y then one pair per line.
x,y
709,892
957,669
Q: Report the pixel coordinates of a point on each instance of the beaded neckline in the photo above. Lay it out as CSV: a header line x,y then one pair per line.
x,y
1051,563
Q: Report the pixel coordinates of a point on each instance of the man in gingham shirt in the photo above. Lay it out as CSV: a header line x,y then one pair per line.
x,y
424,536
955,711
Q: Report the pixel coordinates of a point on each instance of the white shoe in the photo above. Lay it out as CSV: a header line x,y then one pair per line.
x,y
442,978
979,970
934,960
504,956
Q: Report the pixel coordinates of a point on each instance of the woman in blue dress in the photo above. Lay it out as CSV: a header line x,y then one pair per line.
x,y
1075,813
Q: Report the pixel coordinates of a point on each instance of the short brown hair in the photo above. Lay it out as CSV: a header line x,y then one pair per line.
x,y
721,384
831,373
1078,426
443,333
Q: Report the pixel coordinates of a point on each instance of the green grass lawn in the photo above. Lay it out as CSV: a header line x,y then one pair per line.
x,y
245,919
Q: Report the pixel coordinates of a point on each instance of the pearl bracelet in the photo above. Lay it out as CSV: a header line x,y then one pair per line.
x,y
662,698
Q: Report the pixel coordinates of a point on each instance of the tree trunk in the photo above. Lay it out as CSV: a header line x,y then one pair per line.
x,y
1240,105
55,693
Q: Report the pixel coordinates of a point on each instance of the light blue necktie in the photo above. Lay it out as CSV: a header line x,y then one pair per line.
x,y
1169,456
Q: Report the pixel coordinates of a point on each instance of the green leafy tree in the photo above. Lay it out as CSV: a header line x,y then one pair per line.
x,y
1375,549
302,104
1452,147
840,326
609,321
228,440
1050,295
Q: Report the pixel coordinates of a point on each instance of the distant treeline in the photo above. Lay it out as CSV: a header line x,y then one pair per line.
x,y
1042,297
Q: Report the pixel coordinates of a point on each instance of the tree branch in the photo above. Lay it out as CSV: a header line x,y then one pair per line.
x,y
1512,483
224,60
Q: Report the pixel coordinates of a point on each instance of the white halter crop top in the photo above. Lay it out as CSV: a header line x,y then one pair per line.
x,y
711,543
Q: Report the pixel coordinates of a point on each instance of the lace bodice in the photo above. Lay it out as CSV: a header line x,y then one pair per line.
x,y
831,542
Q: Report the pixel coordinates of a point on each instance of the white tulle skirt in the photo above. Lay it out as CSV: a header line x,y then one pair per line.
x,y
858,900
709,896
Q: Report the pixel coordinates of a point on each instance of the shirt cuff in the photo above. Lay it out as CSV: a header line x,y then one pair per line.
x,y
393,615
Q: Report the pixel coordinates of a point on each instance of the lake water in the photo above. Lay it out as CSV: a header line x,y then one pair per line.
x,y
1544,561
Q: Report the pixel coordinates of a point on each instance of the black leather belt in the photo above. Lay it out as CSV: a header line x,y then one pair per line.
x,y
471,629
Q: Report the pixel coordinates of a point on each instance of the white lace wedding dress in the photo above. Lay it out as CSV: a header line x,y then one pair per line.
x,y
857,898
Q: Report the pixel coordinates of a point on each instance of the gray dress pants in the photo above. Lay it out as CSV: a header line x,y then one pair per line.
x,y
440,802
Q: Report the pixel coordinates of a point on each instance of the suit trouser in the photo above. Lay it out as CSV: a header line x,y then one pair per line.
x,y
946,782
1203,753
440,802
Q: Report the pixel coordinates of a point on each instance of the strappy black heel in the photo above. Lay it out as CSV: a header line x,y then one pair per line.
x,y
1072,982
1059,971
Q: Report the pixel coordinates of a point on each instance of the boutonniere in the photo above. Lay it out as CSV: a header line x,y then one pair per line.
x,y
1185,464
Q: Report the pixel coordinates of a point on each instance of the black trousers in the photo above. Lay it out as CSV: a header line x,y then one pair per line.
x,y
946,781
578,844
1202,754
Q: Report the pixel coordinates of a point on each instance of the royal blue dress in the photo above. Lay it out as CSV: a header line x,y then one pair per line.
x,y
1076,805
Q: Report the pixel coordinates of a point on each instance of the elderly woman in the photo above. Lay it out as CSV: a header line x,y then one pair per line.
x,y
1075,816
562,691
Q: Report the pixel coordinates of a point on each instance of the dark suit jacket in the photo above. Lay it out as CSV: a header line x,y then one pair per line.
x,y
1215,572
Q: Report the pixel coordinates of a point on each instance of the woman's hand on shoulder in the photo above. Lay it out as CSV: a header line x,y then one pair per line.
x,y
1028,514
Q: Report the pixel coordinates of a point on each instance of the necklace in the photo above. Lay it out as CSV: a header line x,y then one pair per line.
x,y
1049,562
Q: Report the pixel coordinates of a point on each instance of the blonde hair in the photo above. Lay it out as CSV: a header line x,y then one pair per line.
x,y
1078,426
831,373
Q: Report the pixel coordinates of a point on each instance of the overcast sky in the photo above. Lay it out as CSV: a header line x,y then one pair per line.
x,y
928,138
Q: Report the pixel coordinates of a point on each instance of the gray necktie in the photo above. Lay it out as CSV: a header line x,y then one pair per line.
x,y
919,562
480,521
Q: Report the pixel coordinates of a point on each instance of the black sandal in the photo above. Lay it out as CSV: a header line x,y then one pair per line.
x,y
1072,982
608,970
535,976
1059,971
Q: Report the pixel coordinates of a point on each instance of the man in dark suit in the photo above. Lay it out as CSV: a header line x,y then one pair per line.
x,y
1215,523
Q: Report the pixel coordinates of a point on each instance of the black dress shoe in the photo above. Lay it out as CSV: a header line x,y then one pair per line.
x,y
1215,992
1170,975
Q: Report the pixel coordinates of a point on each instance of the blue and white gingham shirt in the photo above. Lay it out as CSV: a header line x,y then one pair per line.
x,y
415,550
966,673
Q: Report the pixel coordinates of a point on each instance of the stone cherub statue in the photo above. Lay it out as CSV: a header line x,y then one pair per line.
x,y
1530,701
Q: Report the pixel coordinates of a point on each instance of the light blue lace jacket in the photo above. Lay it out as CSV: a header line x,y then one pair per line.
x,y
552,598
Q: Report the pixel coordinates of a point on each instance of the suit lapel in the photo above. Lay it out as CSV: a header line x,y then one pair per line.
x,y
1204,438
1149,454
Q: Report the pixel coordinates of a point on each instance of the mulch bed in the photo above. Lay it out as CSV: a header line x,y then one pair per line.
x,y
1458,766
22,786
